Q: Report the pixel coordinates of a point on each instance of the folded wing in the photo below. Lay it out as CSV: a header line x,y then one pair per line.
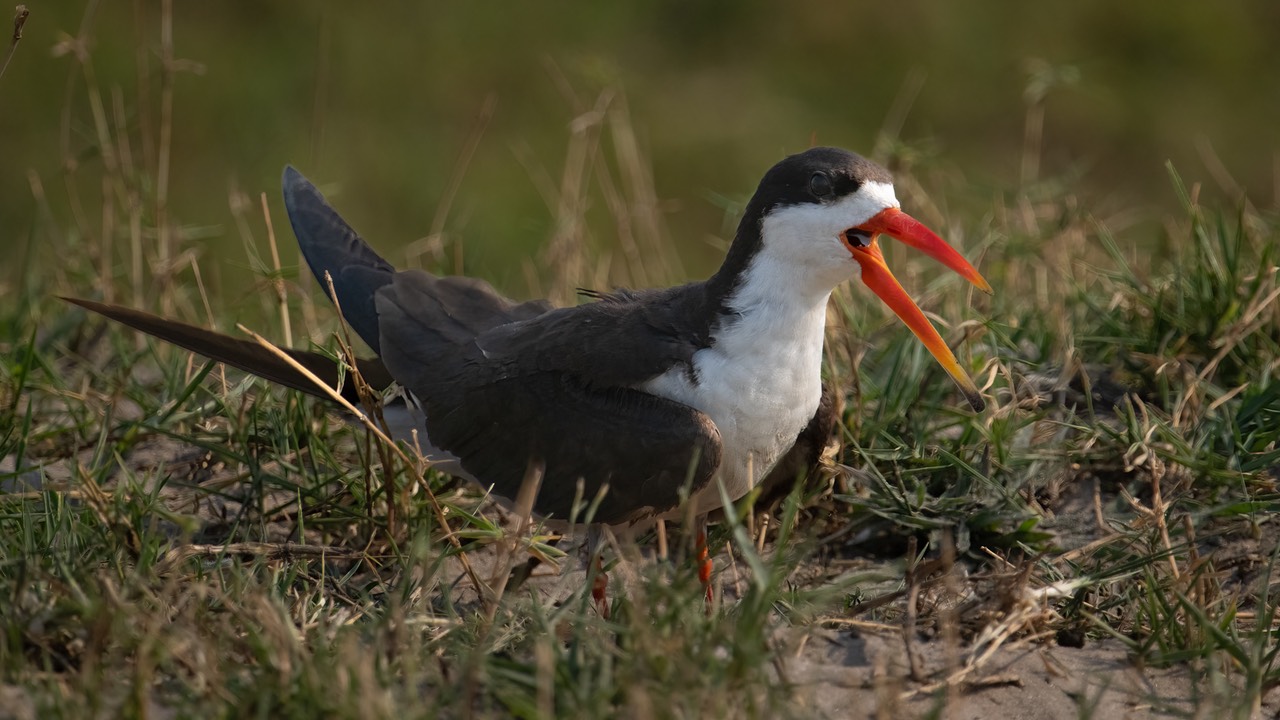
x,y
504,385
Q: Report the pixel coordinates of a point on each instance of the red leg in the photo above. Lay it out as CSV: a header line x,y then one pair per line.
x,y
599,589
704,564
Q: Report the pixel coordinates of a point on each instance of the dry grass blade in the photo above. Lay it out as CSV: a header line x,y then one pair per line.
x,y
281,296
524,510
482,589
20,14
270,551
1023,623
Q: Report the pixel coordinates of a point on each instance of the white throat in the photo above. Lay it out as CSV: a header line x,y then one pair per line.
x,y
761,380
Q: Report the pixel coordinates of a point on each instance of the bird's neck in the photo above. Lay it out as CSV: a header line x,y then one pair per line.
x,y
763,274
775,303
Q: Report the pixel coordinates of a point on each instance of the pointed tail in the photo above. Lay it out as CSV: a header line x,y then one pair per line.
x,y
246,355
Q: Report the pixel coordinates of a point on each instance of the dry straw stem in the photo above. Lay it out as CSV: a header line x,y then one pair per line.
x,y
1022,623
20,14
281,296
524,510
482,589
366,397
270,551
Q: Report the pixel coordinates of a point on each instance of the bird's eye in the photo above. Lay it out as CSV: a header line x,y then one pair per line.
x,y
820,185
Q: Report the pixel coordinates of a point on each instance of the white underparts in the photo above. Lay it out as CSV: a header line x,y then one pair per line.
x,y
761,380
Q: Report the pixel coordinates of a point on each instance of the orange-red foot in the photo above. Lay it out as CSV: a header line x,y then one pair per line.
x,y
704,566
599,589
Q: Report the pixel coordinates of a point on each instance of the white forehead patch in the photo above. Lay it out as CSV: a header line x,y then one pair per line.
x,y
811,224
879,194
802,252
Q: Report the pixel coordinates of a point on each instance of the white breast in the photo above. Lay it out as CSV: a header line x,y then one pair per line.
x,y
760,382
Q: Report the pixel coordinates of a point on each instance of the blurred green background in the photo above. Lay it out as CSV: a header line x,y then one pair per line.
x,y
376,102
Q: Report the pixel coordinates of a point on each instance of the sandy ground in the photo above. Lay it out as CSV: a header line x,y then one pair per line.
x,y
858,674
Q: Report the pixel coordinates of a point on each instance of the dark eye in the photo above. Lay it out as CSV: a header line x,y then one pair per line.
x,y
820,185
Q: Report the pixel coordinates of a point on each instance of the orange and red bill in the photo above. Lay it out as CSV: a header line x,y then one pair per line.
x,y
876,276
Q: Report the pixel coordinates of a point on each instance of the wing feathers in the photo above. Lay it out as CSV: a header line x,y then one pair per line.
x,y
499,413
457,306
330,245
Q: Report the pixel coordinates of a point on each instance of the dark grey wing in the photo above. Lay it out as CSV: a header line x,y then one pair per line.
x,y
554,390
620,340
505,385
331,246
645,448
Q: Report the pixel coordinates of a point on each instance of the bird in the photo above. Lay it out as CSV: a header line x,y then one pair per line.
x,y
661,402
